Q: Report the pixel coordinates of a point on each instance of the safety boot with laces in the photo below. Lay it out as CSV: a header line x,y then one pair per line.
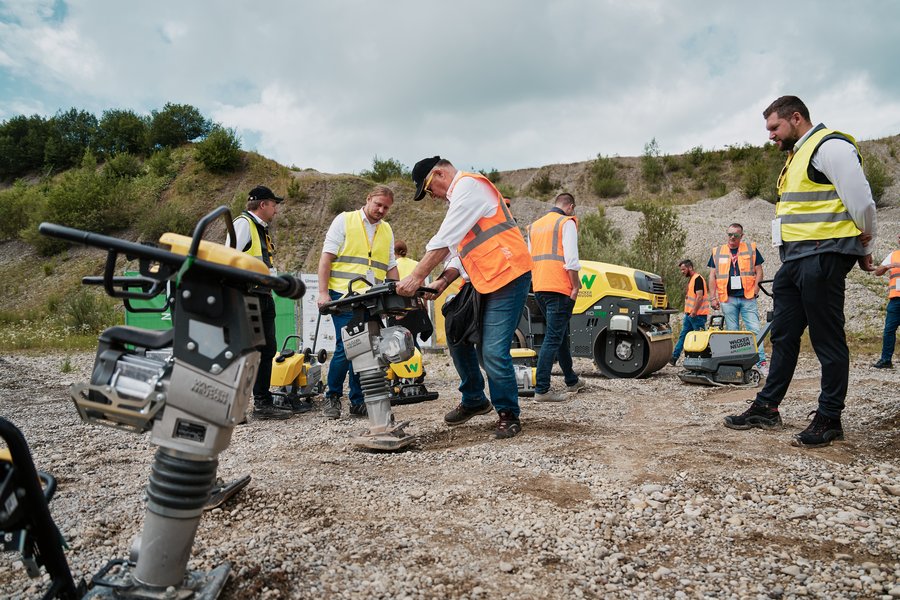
x,y
508,425
821,432
463,413
758,415
331,407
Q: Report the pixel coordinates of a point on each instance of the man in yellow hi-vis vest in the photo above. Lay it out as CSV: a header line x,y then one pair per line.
x,y
824,223
251,231
358,244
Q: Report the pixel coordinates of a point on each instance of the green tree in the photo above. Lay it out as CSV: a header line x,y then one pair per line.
x,y
599,239
605,178
652,165
878,176
658,247
220,151
122,131
22,143
386,170
176,124
70,134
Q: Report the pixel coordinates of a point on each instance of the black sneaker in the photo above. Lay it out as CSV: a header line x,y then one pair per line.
x,y
507,426
758,415
268,411
462,413
820,432
883,364
359,410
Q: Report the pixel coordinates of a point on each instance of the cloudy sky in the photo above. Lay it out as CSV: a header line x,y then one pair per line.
x,y
503,84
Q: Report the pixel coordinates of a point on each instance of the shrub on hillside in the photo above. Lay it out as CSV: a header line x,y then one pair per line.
x,y
164,218
220,151
16,204
387,169
341,200
123,166
88,311
82,199
542,184
161,164
605,179
878,176
493,175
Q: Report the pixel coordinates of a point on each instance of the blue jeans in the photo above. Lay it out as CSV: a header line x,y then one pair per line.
x,y
337,369
500,316
688,325
738,308
891,322
557,309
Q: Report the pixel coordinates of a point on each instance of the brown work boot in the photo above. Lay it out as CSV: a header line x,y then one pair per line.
x,y
463,413
508,425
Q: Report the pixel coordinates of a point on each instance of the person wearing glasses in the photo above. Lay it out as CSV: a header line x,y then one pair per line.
x,y
359,243
890,264
735,270
251,233
824,224
479,235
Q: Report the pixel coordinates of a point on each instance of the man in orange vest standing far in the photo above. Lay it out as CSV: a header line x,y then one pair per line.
x,y
892,318
735,270
481,237
696,306
553,241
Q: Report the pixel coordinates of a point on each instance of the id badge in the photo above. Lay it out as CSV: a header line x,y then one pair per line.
x,y
370,276
897,285
776,232
736,283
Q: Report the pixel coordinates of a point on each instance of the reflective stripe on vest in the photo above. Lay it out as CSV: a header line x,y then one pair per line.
x,y
810,210
256,249
550,274
746,260
690,299
895,276
357,257
493,252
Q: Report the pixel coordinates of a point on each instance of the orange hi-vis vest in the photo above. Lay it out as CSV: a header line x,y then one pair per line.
x,y
895,276
549,273
493,252
746,262
691,299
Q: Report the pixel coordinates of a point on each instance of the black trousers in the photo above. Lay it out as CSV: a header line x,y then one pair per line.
x,y
809,292
261,393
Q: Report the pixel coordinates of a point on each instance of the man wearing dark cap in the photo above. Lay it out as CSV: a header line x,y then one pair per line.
x,y
485,246
251,230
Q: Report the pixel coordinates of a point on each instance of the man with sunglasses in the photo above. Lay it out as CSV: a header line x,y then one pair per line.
x,y
251,231
481,237
735,270
824,224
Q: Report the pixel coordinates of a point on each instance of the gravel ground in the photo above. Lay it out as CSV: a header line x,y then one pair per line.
x,y
630,489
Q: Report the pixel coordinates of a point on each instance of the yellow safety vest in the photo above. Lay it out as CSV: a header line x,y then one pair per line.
x,y
357,256
810,210
256,248
405,266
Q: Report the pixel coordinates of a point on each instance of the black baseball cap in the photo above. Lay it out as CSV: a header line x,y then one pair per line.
x,y
261,192
420,172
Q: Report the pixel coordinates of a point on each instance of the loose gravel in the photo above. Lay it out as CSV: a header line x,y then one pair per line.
x,y
632,489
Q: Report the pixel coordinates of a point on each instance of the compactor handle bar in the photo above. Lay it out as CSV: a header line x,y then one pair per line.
x,y
375,298
764,290
286,285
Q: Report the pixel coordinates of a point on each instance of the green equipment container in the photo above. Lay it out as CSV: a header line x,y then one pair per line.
x,y
285,315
